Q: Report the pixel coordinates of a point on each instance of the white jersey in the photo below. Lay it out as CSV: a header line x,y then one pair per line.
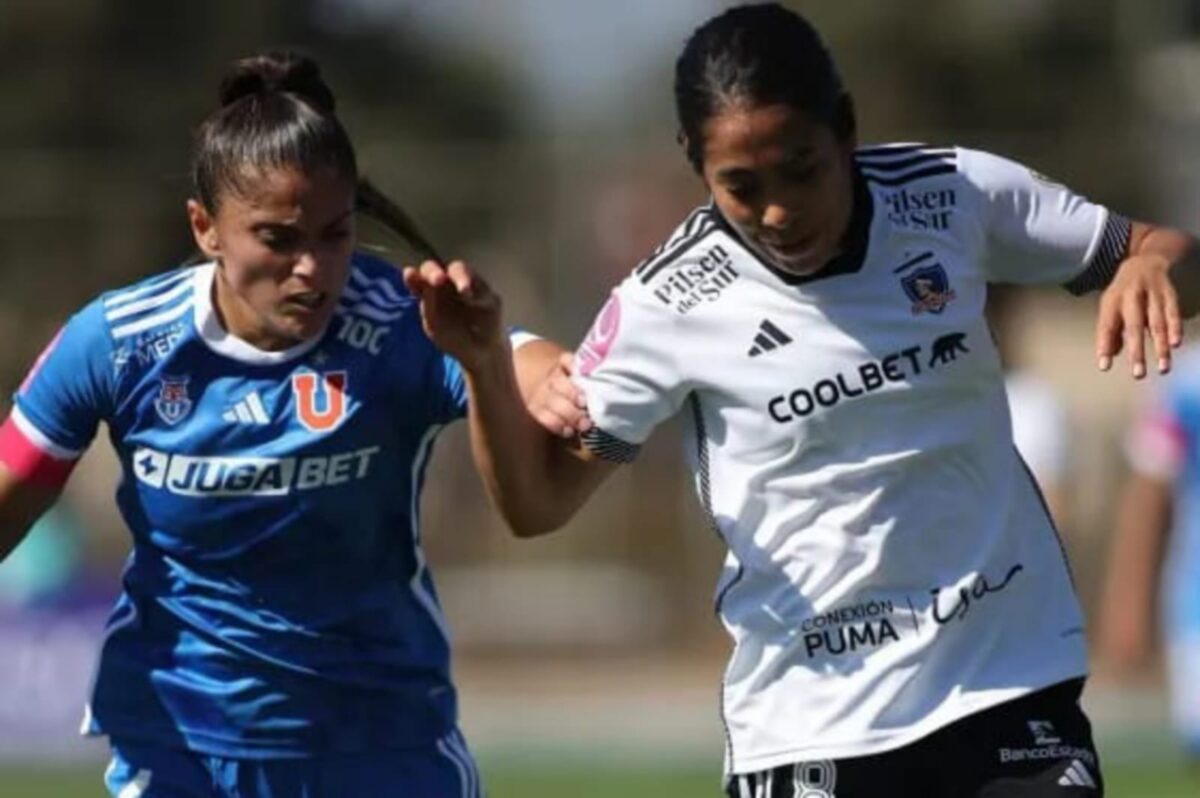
x,y
891,565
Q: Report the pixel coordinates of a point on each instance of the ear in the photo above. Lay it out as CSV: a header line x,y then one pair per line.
x,y
204,229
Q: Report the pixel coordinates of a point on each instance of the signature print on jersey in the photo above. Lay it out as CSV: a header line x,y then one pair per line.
x,y
866,378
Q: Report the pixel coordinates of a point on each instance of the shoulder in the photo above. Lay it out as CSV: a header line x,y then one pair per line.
x,y
695,255
143,308
375,291
899,164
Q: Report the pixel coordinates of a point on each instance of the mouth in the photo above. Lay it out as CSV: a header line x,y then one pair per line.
x,y
305,302
795,249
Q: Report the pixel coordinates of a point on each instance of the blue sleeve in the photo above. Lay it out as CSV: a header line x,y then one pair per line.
x,y
450,385
69,390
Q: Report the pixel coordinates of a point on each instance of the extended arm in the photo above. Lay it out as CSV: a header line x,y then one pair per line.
x,y
536,481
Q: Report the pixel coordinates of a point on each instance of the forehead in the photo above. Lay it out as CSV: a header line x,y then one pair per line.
x,y
288,191
749,136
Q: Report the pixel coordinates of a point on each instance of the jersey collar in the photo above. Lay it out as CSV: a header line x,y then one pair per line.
x,y
226,343
854,243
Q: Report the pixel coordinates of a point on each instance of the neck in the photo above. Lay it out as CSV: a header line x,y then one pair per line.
x,y
240,320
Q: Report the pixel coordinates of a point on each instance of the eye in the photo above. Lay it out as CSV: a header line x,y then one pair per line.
x,y
278,238
800,172
742,192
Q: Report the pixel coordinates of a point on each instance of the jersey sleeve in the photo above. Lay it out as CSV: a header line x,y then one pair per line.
x,y
1039,231
61,402
630,373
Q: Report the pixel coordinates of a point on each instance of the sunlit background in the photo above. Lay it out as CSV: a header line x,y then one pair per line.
x,y
536,139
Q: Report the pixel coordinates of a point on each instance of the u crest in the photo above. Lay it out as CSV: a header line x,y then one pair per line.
x,y
327,414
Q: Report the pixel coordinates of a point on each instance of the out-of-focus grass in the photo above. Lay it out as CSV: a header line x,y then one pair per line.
x,y
506,781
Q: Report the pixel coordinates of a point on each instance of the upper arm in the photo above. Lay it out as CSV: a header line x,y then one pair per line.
x,y
533,360
55,415
1039,231
630,373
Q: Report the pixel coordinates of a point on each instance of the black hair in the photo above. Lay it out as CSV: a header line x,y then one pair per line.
x,y
277,111
756,55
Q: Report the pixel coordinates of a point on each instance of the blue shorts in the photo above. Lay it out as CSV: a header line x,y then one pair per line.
x,y
445,770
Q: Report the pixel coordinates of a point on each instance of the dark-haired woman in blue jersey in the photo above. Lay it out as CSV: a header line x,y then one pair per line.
x,y
273,409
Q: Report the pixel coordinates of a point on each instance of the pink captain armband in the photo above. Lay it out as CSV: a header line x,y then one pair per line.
x,y
31,457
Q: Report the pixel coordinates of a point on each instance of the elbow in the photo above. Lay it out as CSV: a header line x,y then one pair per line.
x,y
533,525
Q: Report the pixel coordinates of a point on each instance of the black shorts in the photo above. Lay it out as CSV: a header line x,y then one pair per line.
x,y
1037,746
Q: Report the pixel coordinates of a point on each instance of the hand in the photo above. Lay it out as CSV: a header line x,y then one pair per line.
x,y
558,404
1141,298
459,311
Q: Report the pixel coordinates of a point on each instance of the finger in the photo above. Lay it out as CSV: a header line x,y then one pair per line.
x,y
412,280
553,423
1156,321
433,274
562,385
1134,313
1108,331
462,278
1174,316
566,361
565,408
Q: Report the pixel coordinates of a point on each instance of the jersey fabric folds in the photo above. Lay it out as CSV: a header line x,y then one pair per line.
x,y
276,601
891,565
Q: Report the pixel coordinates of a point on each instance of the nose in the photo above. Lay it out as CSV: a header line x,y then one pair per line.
x,y
305,265
775,216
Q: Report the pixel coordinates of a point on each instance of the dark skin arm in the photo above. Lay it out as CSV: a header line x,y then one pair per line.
x,y
536,480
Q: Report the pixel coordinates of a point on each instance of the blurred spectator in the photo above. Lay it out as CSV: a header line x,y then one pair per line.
x,y
1154,566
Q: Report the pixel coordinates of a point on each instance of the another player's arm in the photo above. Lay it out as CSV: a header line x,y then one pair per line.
x,y
537,481
534,480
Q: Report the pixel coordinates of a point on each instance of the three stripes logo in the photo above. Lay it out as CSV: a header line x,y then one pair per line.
x,y
1077,775
768,339
249,410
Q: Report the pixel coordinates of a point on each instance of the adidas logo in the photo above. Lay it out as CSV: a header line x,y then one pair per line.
x,y
1077,776
248,411
769,337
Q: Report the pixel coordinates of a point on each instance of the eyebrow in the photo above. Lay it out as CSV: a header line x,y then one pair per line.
x,y
331,223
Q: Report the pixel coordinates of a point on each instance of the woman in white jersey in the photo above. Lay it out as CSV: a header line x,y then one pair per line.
x,y
903,617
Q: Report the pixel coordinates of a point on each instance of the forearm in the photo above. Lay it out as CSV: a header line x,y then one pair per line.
x,y
532,478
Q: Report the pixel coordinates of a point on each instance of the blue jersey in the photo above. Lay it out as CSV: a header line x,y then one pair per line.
x,y
276,601
1166,443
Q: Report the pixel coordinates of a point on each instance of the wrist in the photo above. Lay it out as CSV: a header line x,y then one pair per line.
x,y
490,362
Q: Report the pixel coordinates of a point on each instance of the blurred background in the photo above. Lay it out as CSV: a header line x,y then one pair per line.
x,y
536,139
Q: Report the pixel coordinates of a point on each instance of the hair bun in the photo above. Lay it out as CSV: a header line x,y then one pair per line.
x,y
268,73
